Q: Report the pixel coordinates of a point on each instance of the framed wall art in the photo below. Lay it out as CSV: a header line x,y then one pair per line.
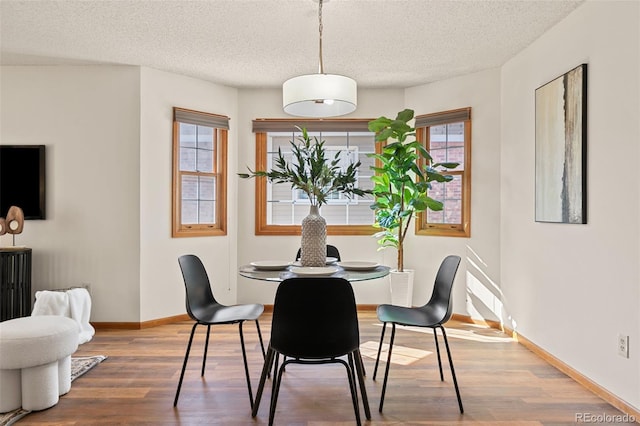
x,y
561,148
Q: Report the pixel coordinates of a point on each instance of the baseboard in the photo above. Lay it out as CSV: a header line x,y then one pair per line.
x,y
139,325
361,308
178,318
367,308
469,320
558,364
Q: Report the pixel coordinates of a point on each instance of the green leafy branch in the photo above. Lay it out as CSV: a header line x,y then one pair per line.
x,y
311,172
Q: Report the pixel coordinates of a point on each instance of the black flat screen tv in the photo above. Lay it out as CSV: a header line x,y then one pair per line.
x,y
22,179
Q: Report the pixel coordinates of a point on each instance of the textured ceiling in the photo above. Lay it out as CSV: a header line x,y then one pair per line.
x,y
261,43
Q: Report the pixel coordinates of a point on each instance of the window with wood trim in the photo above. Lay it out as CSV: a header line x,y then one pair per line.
x,y
447,137
280,209
199,174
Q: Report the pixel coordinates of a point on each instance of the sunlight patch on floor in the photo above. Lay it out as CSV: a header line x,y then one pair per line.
x,y
401,355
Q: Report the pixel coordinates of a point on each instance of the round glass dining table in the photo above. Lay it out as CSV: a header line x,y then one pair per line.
x,y
351,275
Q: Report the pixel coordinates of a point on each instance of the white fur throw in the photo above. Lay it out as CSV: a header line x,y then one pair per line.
x,y
74,303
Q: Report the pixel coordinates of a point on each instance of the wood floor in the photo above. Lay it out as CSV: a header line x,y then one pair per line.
x,y
501,382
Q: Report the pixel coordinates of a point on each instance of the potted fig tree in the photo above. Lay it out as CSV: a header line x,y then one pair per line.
x,y
403,175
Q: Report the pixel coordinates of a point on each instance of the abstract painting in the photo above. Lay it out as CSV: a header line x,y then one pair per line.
x,y
561,131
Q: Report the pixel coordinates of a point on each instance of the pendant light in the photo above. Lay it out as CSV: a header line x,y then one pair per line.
x,y
319,95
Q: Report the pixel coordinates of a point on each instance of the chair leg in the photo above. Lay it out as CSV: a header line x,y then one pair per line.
x,y
263,378
206,349
363,390
352,371
435,336
246,365
453,372
184,365
276,363
277,381
364,371
352,386
260,337
386,371
375,369
277,375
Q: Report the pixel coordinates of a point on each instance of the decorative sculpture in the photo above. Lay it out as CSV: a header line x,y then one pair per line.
x,y
14,222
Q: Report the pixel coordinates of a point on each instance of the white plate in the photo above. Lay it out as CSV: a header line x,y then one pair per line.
x,y
314,270
358,265
270,265
328,261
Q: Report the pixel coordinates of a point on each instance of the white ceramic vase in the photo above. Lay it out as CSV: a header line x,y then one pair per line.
x,y
314,239
401,286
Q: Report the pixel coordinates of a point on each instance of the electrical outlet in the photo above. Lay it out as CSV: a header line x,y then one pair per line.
x,y
623,345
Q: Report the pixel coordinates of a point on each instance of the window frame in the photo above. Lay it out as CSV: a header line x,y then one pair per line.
x,y
220,126
423,124
261,127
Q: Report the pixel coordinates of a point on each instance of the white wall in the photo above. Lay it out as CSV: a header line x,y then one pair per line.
x,y
161,284
88,118
477,289
109,154
571,289
268,104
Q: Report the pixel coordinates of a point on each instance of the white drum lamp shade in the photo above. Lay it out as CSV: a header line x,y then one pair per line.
x,y
319,95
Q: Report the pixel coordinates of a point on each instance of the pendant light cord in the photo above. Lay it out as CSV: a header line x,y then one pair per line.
x,y
321,66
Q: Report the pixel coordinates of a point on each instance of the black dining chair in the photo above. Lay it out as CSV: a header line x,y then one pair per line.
x,y
315,321
332,251
432,315
204,309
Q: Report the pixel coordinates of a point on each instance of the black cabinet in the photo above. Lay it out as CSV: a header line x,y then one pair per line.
x,y
15,283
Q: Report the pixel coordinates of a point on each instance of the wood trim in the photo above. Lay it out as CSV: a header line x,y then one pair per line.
x,y
175,191
443,117
219,228
558,364
581,379
139,325
361,308
261,226
367,308
179,318
190,116
261,185
116,325
487,323
164,321
311,124
264,229
450,230
222,142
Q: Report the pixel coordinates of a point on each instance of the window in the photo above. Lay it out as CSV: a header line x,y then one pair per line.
x,y
280,209
199,174
447,137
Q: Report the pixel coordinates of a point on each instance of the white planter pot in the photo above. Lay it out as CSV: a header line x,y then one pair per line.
x,y
401,285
